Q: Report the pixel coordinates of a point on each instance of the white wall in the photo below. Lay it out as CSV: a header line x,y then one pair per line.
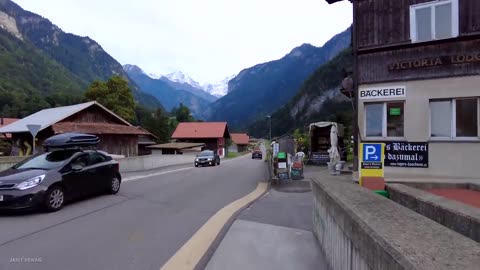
x,y
131,164
141,163
446,158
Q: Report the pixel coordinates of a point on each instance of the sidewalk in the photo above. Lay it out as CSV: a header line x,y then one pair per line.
x,y
273,233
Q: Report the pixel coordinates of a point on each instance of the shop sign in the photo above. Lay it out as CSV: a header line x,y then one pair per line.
x,y
320,157
406,154
395,111
276,149
383,92
435,61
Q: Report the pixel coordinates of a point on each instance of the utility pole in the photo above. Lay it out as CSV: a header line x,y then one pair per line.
x,y
270,127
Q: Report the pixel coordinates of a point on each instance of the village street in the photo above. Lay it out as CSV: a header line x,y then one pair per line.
x,y
140,228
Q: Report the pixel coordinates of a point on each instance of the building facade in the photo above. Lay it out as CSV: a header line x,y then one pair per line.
x,y
117,136
239,142
419,84
213,134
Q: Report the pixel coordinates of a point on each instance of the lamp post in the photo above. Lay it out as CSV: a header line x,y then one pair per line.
x,y
270,127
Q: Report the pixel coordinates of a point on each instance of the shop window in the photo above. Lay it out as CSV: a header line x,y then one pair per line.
x,y
384,119
434,20
455,118
374,119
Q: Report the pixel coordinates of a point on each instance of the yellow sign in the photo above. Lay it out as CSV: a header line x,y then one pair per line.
x,y
371,160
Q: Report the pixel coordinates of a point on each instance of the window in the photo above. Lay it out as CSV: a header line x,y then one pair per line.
x,y
46,161
384,119
434,20
454,118
96,158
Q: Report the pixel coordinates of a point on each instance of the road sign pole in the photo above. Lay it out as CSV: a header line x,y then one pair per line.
x,y
34,129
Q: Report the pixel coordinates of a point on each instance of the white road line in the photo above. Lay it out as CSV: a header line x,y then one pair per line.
x,y
154,174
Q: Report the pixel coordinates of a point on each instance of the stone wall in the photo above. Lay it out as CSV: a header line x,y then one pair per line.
x,y
454,215
358,229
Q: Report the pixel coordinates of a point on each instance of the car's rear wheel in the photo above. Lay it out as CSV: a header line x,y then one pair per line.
x,y
54,199
114,185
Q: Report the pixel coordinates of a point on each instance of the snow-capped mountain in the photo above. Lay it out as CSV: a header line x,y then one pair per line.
x,y
154,76
218,89
179,77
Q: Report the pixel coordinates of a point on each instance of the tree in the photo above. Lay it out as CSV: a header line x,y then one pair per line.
x,y
156,122
115,94
182,113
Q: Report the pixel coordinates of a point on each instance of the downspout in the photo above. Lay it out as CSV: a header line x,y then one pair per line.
x,y
356,131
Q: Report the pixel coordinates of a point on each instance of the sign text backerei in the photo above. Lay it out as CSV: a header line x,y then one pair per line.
x,y
383,92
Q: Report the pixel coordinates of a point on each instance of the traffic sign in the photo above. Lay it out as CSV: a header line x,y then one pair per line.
x,y
372,152
34,129
371,159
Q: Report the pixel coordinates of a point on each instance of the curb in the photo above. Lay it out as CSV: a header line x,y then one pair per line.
x,y
203,262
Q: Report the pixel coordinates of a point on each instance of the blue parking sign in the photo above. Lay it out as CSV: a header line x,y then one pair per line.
x,y
372,152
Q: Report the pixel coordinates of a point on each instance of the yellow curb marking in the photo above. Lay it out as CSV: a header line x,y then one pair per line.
x,y
188,256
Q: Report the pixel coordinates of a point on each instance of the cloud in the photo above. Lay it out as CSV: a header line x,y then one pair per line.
x,y
208,39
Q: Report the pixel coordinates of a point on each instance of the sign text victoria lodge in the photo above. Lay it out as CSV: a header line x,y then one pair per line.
x,y
435,61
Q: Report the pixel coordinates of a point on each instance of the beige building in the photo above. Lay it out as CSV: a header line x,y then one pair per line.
x,y
419,84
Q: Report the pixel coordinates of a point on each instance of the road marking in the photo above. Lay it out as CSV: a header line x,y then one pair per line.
x,y
189,255
172,171
154,174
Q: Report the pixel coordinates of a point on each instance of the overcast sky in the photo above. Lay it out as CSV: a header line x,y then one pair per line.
x,y
206,39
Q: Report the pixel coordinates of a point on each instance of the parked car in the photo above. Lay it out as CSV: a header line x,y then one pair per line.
x,y
257,154
207,157
51,179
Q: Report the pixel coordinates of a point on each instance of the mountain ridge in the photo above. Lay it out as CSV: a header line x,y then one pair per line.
x,y
171,94
83,57
274,83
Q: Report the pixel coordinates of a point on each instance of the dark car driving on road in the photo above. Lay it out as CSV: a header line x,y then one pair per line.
x,y
257,154
50,179
207,157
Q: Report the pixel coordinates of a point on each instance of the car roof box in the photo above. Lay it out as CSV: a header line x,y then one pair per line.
x,y
71,140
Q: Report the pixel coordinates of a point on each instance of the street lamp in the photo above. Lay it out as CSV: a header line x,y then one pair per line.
x,y
270,127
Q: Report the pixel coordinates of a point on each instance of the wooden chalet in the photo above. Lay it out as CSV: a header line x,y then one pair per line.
x,y
116,134
213,134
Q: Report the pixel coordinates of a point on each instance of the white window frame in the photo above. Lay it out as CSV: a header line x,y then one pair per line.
x,y
384,120
432,5
453,121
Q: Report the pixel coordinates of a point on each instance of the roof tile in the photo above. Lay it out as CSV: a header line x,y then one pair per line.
x,y
240,138
200,130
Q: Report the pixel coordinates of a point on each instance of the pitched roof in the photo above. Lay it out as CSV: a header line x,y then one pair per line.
x,y
240,138
97,128
202,130
176,145
48,117
7,121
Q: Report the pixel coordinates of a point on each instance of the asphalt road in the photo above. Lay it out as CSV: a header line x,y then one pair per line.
x,y
140,228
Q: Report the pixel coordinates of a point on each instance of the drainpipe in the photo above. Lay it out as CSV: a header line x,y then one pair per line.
x,y
356,131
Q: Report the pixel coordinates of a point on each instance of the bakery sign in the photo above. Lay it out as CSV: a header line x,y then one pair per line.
x,y
406,154
435,61
383,92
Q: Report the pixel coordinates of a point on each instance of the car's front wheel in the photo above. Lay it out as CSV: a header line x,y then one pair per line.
x,y
54,199
114,185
